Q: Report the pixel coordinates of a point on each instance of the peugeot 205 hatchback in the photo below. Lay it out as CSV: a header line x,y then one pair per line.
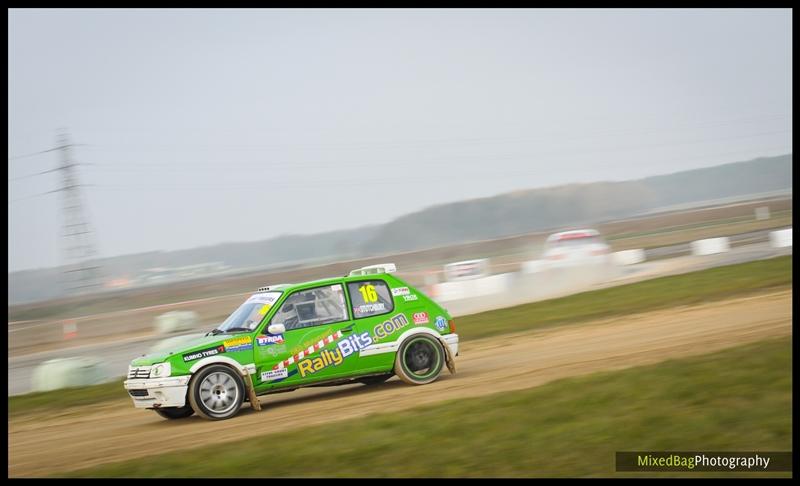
x,y
366,327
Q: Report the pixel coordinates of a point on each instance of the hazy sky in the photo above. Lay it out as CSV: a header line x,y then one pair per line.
x,y
231,125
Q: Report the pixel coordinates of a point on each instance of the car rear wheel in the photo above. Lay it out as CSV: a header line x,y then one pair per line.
x,y
419,360
175,412
216,392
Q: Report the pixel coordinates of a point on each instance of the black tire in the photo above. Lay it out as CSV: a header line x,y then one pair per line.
x,y
175,412
216,392
419,359
375,380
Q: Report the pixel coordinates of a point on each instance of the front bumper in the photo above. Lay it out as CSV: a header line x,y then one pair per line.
x,y
158,392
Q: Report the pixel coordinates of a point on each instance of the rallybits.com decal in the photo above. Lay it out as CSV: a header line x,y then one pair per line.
x,y
203,353
269,339
242,343
272,375
344,348
310,350
421,318
389,326
441,323
400,291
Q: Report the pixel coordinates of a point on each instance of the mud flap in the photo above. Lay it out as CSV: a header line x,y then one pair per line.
x,y
449,360
251,392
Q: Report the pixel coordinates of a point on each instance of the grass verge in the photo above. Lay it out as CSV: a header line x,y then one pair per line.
x,y
736,399
690,288
64,398
659,293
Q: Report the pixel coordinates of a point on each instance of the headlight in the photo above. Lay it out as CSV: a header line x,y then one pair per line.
x,y
161,370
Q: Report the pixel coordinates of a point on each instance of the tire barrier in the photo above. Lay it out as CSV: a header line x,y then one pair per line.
x,y
710,246
175,321
781,238
68,372
628,257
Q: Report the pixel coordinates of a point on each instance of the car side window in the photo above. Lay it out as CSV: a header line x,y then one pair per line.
x,y
370,298
312,307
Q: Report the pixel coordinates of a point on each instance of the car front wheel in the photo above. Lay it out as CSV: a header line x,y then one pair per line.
x,y
175,412
216,392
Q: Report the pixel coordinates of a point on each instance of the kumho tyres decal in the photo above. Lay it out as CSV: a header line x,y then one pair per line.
x,y
308,351
421,318
389,326
242,343
344,348
203,353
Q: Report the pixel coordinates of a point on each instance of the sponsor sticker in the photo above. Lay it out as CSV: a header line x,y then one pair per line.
x,y
274,374
203,353
276,350
344,348
421,318
410,297
367,309
269,339
400,291
238,344
441,323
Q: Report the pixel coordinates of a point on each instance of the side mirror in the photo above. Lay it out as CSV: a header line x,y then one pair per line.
x,y
277,328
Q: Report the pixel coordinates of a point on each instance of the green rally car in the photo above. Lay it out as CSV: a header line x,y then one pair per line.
x,y
366,327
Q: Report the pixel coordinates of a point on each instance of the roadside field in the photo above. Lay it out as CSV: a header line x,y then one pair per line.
x,y
737,399
649,231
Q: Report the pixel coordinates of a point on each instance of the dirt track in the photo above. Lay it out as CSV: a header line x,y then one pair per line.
x,y
46,443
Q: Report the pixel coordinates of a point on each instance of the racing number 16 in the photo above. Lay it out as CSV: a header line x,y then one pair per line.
x,y
368,293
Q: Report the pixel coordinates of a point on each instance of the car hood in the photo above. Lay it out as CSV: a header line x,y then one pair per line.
x,y
191,343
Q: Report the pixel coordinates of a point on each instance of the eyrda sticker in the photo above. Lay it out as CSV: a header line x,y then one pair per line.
x,y
269,339
410,297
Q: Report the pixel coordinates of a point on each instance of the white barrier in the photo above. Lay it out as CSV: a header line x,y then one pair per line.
x,y
175,321
68,372
478,287
710,246
780,238
534,266
628,257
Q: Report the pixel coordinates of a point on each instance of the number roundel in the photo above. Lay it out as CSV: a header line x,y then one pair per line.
x,y
368,293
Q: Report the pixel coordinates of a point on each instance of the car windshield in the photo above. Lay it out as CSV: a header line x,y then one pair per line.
x,y
249,314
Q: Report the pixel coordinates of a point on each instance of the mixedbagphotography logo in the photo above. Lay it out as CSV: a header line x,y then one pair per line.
x,y
698,461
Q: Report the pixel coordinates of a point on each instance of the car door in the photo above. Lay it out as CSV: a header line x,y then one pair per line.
x,y
316,322
376,319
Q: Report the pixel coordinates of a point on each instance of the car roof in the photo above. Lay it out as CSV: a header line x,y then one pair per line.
x,y
579,233
322,282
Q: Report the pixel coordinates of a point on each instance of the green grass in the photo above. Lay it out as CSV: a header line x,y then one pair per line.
x,y
690,288
65,398
738,399
658,293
